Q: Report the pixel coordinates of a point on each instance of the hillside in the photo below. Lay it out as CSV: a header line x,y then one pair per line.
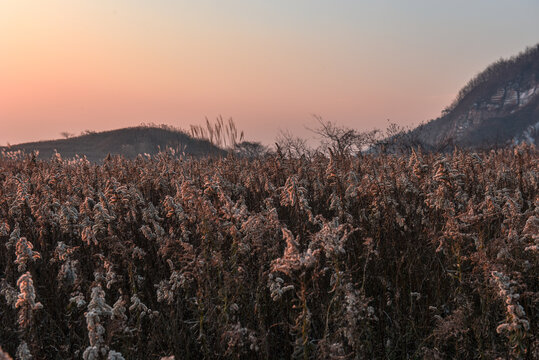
x,y
129,142
498,106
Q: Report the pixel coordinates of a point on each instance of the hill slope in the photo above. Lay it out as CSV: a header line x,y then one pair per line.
x,y
499,105
128,142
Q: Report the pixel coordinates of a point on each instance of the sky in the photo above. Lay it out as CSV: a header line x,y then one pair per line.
x,y
76,65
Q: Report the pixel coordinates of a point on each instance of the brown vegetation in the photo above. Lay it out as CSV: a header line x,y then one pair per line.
x,y
348,257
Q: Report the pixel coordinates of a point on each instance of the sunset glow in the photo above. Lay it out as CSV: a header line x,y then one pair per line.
x,y
98,65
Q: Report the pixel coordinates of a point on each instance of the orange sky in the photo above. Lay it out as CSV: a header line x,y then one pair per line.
x,y
98,65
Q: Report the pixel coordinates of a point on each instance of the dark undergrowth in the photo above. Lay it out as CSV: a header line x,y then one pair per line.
x,y
377,256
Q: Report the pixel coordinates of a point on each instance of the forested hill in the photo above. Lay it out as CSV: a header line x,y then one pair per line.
x,y
498,106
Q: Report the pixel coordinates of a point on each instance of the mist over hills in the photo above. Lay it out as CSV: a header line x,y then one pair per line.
x,y
498,106
128,142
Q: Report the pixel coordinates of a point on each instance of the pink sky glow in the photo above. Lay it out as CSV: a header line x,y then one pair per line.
x,y
78,65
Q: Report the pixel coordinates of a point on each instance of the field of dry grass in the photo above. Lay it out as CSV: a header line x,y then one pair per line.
x,y
431,256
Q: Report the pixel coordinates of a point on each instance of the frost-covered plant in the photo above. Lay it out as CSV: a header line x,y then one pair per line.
x,y
110,276
294,195
68,272
293,260
114,355
97,311
4,228
531,230
14,236
357,315
137,306
516,325
118,310
78,299
23,353
240,340
9,292
276,288
68,268
26,300
25,253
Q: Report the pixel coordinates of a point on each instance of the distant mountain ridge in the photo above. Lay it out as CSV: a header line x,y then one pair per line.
x,y
128,142
498,106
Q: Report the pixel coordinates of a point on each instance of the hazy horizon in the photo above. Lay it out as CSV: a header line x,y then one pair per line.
x,y
75,65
